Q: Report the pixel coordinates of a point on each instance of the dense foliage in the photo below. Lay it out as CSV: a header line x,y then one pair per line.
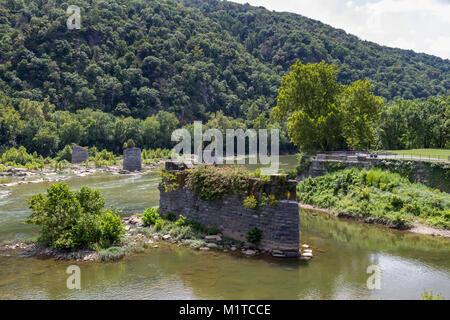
x,y
324,115
139,69
39,128
414,124
377,196
279,39
72,220
135,58
150,216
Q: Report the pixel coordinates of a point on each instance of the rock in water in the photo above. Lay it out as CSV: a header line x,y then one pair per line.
x,y
212,245
250,252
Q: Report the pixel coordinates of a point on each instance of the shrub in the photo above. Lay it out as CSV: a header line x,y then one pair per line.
x,y
291,174
70,220
15,156
102,158
182,221
150,216
251,202
158,224
254,235
195,243
156,154
65,154
111,227
129,144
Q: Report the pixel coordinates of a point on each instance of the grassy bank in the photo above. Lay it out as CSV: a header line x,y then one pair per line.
x,y
377,196
442,154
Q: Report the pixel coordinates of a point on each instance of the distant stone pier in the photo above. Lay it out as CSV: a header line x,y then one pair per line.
x,y
132,159
79,154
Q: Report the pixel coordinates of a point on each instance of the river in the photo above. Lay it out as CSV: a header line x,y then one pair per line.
x,y
343,251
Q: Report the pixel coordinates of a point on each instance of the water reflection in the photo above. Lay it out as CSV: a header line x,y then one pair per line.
x,y
343,250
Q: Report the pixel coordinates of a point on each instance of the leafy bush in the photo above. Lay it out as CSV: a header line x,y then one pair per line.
x,y
150,216
71,220
14,157
102,158
65,154
129,144
291,174
182,221
254,235
158,224
195,243
111,227
251,202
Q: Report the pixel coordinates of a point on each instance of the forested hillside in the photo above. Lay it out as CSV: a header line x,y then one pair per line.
x,y
279,39
135,58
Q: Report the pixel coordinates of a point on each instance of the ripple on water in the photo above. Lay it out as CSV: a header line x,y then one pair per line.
x,y
3,196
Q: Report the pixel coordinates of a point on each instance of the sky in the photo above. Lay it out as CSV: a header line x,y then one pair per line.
x,y
419,25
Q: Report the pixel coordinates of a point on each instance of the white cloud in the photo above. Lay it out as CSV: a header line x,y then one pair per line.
x,y
420,25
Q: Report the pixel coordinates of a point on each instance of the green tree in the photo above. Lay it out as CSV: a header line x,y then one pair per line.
x,y
308,99
71,220
360,112
9,121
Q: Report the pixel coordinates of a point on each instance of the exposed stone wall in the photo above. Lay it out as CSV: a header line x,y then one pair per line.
x,y
132,159
79,154
279,223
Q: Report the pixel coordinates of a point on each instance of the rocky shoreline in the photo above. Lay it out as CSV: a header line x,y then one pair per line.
x,y
139,238
47,174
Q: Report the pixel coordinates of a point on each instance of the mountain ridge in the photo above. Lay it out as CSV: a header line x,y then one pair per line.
x,y
190,57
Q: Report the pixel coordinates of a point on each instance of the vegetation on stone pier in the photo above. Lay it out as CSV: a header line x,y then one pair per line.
x,y
211,183
376,196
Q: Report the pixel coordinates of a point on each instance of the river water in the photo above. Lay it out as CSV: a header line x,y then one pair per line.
x,y
343,251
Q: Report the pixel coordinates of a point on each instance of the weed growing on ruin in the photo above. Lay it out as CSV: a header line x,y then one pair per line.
x,y
254,235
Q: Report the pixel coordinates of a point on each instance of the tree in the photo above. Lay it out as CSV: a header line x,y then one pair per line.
x,y
9,121
308,99
168,123
150,132
361,110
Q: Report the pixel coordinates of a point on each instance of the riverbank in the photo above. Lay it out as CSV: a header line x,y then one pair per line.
x,y
380,197
417,228
139,237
